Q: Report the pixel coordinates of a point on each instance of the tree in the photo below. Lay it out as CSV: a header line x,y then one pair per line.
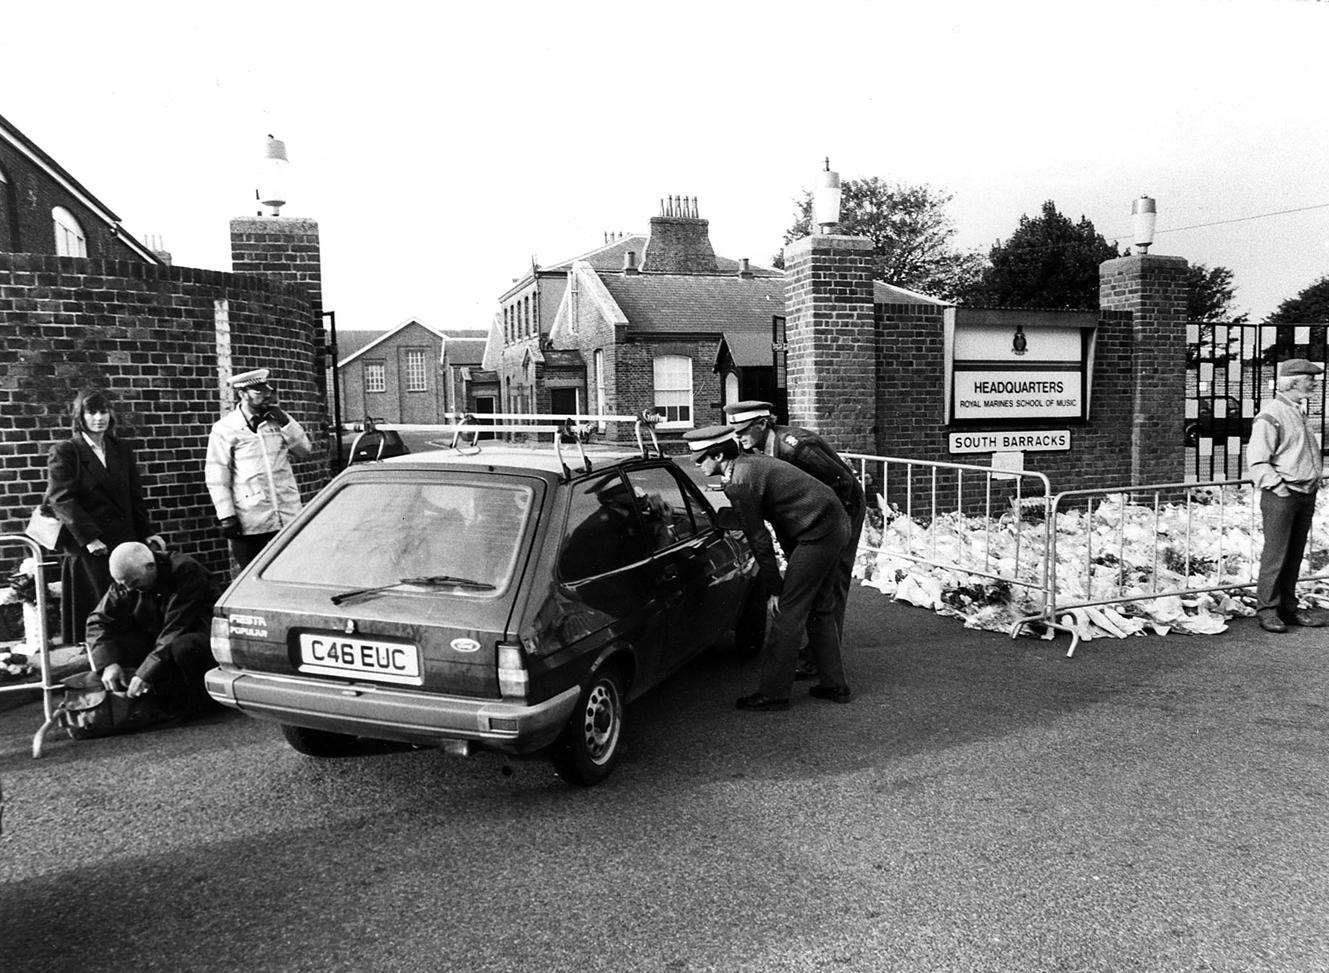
x,y
1209,293
910,233
1310,306
1049,262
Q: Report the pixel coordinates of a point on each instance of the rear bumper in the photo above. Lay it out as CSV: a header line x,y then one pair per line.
x,y
391,713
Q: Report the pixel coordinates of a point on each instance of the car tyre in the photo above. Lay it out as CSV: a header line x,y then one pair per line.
x,y
591,743
318,743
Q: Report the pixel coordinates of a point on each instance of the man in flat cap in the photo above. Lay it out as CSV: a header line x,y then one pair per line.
x,y
1285,462
248,466
812,529
754,424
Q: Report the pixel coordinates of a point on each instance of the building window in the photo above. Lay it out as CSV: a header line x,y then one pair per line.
x,y
415,370
69,238
673,390
600,409
376,376
526,314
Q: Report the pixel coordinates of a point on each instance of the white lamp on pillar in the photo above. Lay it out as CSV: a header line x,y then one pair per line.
x,y
1144,214
826,200
272,176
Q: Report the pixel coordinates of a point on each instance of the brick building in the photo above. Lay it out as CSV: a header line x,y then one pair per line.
x,y
161,340
653,319
44,209
413,373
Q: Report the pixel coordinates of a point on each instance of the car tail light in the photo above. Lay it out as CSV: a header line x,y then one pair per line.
x,y
221,639
512,678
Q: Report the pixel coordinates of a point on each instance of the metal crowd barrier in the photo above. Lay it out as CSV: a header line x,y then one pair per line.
x,y
921,488
42,638
1127,553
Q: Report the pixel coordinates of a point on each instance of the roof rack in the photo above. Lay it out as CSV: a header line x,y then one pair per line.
x,y
575,428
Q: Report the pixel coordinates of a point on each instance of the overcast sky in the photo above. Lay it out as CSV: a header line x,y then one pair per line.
x,y
439,150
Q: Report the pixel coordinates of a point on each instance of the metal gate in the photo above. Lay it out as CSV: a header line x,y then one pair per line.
x,y
1230,371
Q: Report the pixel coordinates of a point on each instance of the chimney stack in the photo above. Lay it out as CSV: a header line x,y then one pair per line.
x,y
744,270
630,263
679,241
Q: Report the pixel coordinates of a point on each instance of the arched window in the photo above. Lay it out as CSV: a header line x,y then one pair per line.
x,y
70,240
731,388
673,390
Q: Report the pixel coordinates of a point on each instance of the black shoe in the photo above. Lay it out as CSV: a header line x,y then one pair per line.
x,y
1299,617
1271,622
836,694
805,671
762,703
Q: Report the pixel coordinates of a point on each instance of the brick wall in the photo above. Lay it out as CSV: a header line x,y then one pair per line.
x,y
679,245
1153,289
27,196
280,247
148,336
832,339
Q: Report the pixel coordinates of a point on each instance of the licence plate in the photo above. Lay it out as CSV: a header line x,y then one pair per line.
x,y
338,655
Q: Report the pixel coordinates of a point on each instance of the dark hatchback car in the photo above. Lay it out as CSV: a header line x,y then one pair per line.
x,y
491,598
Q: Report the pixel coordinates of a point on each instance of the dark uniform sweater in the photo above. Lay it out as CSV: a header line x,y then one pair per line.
x,y
814,456
798,507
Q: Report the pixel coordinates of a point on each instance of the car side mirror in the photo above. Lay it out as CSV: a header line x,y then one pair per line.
x,y
727,518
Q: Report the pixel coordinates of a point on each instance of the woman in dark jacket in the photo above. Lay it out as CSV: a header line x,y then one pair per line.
x,y
93,490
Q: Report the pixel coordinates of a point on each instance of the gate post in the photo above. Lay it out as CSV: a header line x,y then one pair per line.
x,y
832,339
1153,289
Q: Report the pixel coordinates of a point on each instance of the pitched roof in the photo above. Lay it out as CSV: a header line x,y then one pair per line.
x,y
696,302
383,336
464,351
349,342
747,348
58,172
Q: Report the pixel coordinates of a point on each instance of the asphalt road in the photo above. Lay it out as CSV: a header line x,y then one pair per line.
x,y
1153,804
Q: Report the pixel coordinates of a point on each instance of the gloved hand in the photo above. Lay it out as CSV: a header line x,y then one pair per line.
x,y
230,526
275,414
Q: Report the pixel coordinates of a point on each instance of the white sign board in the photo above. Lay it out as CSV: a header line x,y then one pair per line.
x,y
1010,441
1008,394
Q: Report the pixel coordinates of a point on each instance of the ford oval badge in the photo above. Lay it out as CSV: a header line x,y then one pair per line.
x,y
466,645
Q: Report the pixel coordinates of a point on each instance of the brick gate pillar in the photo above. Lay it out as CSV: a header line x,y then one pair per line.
x,y
1153,289
832,342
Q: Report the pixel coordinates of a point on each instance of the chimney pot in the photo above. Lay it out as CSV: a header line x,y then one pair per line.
x,y
630,262
744,269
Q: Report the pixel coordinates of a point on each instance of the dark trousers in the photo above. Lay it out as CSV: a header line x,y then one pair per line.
x,y
246,547
1287,523
177,681
84,578
844,577
807,606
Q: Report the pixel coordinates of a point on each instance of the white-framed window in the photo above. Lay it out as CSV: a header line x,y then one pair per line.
x,y
731,388
70,240
673,390
376,376
416,374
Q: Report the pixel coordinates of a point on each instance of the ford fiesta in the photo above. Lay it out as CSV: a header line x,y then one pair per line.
x,y
490,598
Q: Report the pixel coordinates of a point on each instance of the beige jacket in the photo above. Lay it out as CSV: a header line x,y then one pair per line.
x,y
249,473
1284,453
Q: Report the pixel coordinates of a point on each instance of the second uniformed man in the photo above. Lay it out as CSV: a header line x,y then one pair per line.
x,y
754,424
813,530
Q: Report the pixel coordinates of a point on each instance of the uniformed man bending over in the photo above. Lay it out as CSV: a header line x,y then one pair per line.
x,y
754,424
812,529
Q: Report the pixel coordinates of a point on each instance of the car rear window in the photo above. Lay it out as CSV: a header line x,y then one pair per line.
x,y
377,532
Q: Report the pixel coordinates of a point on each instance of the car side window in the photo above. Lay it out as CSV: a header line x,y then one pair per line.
x,y
603,531
663,508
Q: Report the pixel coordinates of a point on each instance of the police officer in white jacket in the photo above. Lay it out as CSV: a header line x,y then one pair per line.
x,y
1285,462
248,467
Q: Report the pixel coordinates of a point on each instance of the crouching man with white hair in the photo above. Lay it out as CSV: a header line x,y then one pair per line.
x,y
149,633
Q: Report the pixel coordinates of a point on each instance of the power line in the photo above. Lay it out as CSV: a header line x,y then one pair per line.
x,y
1241,219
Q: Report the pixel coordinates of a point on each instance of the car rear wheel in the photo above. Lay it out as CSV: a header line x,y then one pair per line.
x,y
589,748
318,743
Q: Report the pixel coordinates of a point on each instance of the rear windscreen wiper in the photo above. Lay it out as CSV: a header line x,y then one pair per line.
x,y
432,581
